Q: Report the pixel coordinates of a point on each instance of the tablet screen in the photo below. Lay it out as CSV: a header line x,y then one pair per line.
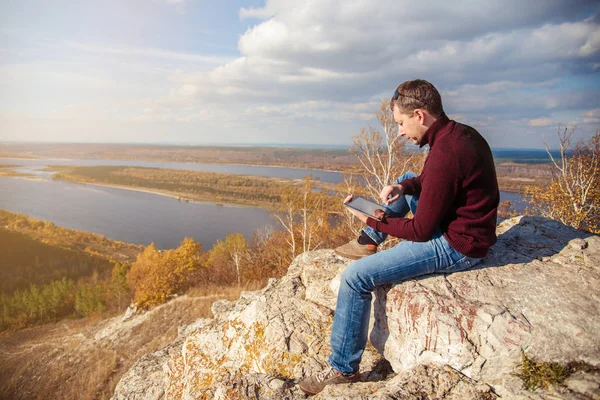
x,y
365,206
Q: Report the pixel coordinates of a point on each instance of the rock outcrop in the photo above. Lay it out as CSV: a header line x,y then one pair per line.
x,y
457,336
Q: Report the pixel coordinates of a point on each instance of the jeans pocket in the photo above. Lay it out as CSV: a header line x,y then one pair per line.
x,y
462,264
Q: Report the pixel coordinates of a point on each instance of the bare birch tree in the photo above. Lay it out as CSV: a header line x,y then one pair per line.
x,y
573,196
303,215
229,255
286,215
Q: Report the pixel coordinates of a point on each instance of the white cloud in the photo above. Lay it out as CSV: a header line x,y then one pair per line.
x,y
592,113
260,13
540,122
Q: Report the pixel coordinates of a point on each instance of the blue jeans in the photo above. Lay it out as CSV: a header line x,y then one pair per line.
x,y
404,261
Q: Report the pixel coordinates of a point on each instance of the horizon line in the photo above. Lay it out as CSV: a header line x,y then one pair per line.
x,y
251,144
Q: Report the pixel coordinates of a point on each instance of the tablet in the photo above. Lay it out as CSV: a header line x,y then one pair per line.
x,y
365,206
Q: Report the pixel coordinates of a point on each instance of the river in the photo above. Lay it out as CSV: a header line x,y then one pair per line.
x,y
143,218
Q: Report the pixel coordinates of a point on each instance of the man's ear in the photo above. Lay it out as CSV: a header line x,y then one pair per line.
x,y
420,114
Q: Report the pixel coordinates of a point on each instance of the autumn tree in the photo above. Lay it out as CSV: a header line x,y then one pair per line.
x,y
119,289
270,256
505,210
573,195
227,257
303,214
90,299
156,274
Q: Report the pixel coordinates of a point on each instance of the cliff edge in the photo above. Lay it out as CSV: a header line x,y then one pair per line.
x,y
456,336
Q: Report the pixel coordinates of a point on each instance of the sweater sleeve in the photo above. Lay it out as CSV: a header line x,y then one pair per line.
x,y
412,185
439,186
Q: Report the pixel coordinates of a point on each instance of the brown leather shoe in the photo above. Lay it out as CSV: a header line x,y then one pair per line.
x,y
316,383
355,251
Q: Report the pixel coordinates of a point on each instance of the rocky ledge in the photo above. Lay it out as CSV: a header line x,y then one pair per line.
x,y
456,336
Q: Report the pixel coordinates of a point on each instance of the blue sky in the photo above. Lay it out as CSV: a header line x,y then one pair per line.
x,y
283,71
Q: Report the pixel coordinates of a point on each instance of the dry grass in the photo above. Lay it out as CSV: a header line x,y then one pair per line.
x,y
66,361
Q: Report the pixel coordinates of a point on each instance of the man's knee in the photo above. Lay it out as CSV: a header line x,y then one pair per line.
x,y
355,277
406,175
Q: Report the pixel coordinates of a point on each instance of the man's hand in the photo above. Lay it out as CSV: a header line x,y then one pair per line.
x,y
379,214
390,194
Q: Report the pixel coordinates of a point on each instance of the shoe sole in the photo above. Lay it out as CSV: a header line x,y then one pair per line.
x,y
308,392
352,256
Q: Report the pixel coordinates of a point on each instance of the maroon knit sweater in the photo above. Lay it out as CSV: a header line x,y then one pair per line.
x,y
458,192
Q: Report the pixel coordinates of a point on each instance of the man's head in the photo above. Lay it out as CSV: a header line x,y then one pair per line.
x,y
415,105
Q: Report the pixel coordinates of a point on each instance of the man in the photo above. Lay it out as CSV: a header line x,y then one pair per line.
x,y
454,202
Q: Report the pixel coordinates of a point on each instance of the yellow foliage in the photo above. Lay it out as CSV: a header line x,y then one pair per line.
x,y
573,196
303,213
227,258
156,274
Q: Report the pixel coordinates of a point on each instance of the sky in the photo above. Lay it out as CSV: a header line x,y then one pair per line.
x,y
289,71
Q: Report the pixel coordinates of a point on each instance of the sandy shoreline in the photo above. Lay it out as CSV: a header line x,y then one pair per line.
x,y
129,188
14,174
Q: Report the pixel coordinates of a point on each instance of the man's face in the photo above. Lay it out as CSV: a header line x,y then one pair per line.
x,y
410,125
